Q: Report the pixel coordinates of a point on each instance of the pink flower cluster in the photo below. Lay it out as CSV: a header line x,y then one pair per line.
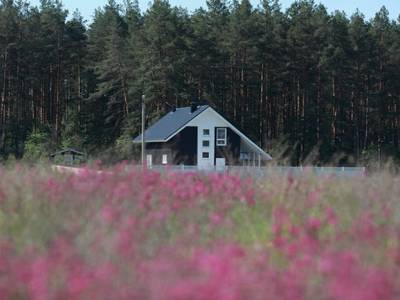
x,y
143,235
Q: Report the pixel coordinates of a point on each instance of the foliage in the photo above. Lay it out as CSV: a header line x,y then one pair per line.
x,y
124,146
325,83
127,234
38,147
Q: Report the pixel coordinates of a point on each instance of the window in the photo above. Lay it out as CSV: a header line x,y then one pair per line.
x,y
221,136
206,132
206,143
206,154
165,159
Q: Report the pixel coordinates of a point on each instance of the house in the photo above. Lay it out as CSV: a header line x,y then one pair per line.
x,y
199,136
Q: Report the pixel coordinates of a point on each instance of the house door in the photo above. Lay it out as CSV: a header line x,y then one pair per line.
x,y
205,161
220,164
149,161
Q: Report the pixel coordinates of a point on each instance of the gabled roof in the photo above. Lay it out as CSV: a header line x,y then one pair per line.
x,y
170,124
249,142
69,151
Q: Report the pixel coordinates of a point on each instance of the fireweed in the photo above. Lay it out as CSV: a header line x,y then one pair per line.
x,y
121,234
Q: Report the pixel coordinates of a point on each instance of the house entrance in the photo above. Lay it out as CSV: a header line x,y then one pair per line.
x,y
205,161
220,164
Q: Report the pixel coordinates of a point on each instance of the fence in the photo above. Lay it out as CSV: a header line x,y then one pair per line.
x,y
246,171
266,171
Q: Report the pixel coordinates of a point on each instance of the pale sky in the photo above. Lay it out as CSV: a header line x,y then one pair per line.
x,y
367,7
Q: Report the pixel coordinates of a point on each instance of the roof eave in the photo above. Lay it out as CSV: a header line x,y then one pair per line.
x,y
149,141
243,136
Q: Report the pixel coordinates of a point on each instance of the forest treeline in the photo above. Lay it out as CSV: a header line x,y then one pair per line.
x,y
324,84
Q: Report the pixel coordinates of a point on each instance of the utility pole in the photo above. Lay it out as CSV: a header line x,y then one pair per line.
x,y
143,132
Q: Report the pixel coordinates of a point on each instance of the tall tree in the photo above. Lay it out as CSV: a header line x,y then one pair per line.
x,y
325,84
107,104
164,53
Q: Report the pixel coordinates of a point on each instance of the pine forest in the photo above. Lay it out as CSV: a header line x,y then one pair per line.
x,y
308,84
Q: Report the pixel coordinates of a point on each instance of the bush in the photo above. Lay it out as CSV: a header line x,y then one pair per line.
x,y
37,147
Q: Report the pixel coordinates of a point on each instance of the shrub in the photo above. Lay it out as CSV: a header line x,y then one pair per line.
x,y
37,147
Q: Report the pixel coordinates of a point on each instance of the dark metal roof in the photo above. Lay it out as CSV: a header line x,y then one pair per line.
x,y
68,151
170,124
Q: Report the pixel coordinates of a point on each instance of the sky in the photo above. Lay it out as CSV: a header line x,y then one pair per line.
x,y
367,7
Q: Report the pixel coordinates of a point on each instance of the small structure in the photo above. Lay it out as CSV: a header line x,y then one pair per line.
x,y
199,136
68,157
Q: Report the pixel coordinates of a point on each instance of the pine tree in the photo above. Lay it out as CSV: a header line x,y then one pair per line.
x,y
272,44
334,117
76,45
9,32
361,43
163,55
108,90
243,40
382,32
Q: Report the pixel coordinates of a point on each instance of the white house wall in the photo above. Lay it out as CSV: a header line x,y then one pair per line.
x,y
206,120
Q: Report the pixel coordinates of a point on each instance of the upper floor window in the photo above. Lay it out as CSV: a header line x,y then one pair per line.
x,y
206,143
206,132
221,136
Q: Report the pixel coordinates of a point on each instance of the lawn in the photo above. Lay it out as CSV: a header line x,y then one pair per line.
x,y
142,235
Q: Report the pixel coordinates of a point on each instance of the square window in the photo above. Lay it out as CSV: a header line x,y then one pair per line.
x,y
221,136
165,159
206,154
206,132
206,143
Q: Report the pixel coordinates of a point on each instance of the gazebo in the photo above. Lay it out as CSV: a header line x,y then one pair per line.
x,y
69,156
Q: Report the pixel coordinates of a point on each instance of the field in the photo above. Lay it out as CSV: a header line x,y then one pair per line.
x,y
142,235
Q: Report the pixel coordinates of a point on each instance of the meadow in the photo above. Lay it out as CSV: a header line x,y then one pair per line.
x,y
141,235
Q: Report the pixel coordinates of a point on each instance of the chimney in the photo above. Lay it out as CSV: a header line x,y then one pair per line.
x,y
193,107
